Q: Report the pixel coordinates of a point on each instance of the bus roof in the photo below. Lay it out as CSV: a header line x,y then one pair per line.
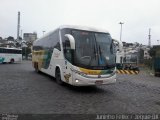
x,y
83,28
78,27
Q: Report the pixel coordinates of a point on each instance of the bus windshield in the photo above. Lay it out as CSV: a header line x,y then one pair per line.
x,y
93,50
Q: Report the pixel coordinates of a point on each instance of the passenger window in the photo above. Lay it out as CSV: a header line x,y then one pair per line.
x,y
54,40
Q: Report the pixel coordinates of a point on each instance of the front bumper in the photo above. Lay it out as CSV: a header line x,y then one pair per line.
x,y
79,80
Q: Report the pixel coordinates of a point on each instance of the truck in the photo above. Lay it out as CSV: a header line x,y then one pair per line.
x,y
156,59
121,65
119,53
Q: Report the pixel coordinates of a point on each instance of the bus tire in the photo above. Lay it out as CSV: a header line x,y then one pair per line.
x,y
58,76
12,61
36,67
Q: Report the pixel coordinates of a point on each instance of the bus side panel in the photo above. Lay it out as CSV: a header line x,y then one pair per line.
x,y
6,57
52,62
47,61
16,57
2,58
57,60
67,74
38,58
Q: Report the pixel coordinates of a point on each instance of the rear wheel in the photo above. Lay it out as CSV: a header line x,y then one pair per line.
x,y
58,76
12,61
36,67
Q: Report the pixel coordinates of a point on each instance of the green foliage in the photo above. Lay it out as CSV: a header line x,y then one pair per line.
x,y
26,51
155,54
154,51
29,44
10,38
20,38
141,56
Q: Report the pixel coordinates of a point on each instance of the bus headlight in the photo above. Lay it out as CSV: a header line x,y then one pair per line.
x,y
77,81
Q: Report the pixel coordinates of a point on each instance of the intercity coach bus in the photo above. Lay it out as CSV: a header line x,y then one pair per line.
x,y
76,55
10,55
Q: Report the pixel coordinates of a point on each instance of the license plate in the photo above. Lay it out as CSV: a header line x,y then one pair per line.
x,y
99,82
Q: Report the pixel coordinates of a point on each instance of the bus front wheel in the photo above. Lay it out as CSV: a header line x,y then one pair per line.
x,y
58,76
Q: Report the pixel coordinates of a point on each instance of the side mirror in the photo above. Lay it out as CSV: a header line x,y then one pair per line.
x,y
71,40
113,47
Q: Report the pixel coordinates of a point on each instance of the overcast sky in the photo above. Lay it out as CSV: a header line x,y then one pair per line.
x,y
46,15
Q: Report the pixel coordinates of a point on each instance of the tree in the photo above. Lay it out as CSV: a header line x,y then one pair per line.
x,y
152,52
29,43
10,38
17,44
1,38
20,38
26,51
141,56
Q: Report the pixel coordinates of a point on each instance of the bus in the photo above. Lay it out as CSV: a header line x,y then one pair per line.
x,y
80,56
10,55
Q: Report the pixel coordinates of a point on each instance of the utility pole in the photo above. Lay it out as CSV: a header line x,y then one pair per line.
x,y
21,34
121,30
18,26
149,38
124,59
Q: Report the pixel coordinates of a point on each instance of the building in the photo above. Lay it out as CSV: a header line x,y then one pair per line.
x,y
30,37
131,57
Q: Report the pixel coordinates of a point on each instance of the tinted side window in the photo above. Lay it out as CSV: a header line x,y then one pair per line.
x,y
4,51
41,44
49,42
54,40
45,43
10,51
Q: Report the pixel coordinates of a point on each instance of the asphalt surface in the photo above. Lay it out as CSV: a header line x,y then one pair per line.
x,y
22,90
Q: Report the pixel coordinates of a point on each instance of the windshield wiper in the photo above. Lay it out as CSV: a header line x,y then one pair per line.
x,y
100,52
100,60
95,53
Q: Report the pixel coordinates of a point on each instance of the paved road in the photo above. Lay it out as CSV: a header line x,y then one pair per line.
x,y
24,91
